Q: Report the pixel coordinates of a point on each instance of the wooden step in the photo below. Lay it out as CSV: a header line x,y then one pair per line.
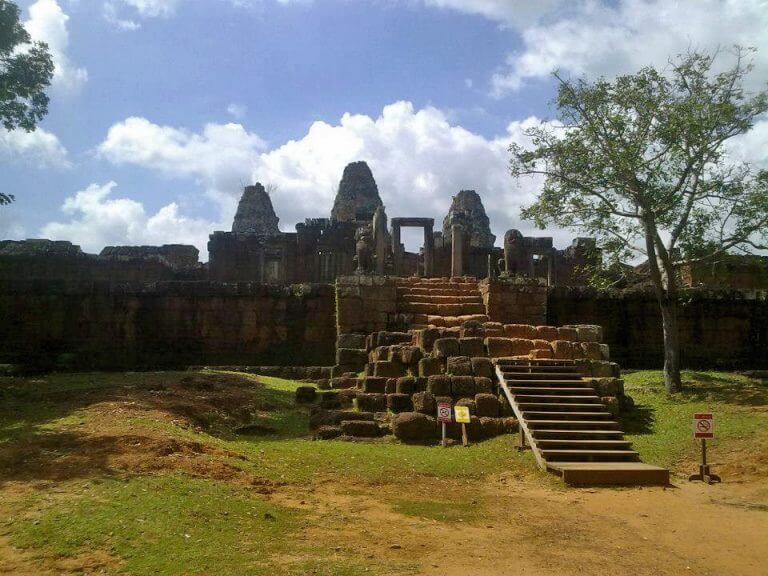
x,y
525,369
512,376
533,413
555,383
610,473
557,399
559,434
582,444
545,390
564,455
573,424
531,362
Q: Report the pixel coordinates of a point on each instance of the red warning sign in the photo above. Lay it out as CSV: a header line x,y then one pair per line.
x,y
703,425
444,412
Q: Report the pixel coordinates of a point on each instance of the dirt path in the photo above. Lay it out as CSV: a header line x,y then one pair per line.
x,y
528,530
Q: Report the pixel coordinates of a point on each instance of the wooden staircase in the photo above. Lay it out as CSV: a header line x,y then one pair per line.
x,y
444,302
567,426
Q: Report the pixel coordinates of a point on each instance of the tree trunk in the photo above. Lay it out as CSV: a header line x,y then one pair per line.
x,y
672,381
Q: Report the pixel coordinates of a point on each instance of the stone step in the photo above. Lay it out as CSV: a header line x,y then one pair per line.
x,y
439,291
439,299
613,473
574,425
440,309
565,455
425,321
558,434
535,412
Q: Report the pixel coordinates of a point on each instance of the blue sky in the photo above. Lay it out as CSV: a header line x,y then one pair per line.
x,y
162,109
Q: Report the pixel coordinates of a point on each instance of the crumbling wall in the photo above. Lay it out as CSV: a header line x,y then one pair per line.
x,y
165,324
718,328
514,300
364,304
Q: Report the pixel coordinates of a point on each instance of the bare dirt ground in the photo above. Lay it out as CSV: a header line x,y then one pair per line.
x,y
519,525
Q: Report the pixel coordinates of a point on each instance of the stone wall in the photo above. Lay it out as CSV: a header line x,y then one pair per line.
x,y
61,325
718,328
515,300
364,304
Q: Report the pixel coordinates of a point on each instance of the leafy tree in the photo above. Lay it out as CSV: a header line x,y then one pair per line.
x,y
26,69
641,163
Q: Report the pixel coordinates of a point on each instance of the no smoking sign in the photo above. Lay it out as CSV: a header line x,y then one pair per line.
x,y
703,426
444,412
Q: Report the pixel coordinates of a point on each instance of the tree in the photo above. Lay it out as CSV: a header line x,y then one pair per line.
x,y
641,163
26,69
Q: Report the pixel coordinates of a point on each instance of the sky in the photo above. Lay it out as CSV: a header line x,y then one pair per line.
x,y
162,110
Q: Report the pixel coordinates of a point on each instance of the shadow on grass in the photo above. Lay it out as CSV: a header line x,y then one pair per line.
x,y
640,420
45,435
724,388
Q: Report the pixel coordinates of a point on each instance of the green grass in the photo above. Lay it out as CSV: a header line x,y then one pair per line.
x,y
660,427
174,525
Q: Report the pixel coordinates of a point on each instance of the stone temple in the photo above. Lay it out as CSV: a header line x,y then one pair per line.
x,y
358,238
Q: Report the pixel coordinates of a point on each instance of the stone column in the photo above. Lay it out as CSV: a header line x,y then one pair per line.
x,y
457,250
396,248
380,239
429,251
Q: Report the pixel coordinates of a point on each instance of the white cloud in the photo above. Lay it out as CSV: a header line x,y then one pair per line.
x,y
419,159
237,110
48,23
110,13
153,8
596,38
221,157
97,220
507,12
39,148
751,147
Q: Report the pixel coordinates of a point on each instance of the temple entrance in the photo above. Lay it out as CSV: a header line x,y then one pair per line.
x,y
426,264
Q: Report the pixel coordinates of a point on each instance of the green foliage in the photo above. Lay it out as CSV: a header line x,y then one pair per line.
x,y
640,162
26,69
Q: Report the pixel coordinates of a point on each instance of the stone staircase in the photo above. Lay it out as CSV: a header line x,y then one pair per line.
x,y
441,302
570,431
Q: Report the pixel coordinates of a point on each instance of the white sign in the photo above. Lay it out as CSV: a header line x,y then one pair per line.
x,y
703,425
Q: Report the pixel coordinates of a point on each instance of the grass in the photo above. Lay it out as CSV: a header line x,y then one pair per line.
x,y
168,523
660,427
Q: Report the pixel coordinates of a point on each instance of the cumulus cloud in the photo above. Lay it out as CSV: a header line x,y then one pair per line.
x,y
97,220
419,159
40,148
595,38
221,157
48,23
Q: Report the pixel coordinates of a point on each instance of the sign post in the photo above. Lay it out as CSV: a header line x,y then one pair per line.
x,y
462,416
444,417
704,428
